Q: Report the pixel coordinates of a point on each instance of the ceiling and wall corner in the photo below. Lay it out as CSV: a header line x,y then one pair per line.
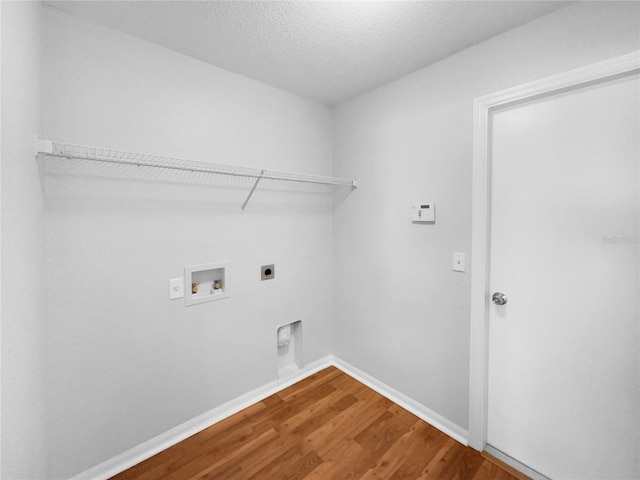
x,y
326,51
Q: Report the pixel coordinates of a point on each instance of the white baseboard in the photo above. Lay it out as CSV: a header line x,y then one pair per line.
x,y
432,418
135,455
512,462
145,450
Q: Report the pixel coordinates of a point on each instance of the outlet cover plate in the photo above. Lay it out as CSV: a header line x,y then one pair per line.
x,y
267,272
176,288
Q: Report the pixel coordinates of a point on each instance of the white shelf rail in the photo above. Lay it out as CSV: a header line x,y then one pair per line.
x,y
107,155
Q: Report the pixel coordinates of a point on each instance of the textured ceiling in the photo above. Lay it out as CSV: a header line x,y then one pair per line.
x,y
328,51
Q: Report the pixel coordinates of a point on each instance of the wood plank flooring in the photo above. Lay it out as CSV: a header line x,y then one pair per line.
x,y
327,426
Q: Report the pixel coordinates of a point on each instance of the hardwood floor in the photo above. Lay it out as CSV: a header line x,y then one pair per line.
x,y
327,426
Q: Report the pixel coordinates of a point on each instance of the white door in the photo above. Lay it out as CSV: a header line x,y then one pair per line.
x,y
564,364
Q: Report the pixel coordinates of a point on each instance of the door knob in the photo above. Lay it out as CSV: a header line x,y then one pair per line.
x,y
499,298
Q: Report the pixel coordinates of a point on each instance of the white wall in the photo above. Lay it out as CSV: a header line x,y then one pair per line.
x,y
400,313
126,363
23,452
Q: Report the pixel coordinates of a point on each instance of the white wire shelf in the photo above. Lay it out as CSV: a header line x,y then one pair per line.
x,y
98,154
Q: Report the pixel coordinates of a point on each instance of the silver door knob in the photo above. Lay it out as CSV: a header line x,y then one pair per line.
x,y
499,298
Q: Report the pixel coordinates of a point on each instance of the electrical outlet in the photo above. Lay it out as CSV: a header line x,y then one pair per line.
x,y
267,272
176,288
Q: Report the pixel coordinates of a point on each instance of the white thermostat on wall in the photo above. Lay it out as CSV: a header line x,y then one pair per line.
x,y
424,212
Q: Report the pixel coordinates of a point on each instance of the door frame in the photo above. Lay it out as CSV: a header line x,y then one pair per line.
x,y
481,216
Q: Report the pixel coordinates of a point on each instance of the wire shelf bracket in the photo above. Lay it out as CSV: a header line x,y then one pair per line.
x,y
50,148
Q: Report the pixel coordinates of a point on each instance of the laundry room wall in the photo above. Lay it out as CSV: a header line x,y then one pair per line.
x,y
126,363
400,312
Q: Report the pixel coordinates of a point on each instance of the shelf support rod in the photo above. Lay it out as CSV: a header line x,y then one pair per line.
x,y
253,189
